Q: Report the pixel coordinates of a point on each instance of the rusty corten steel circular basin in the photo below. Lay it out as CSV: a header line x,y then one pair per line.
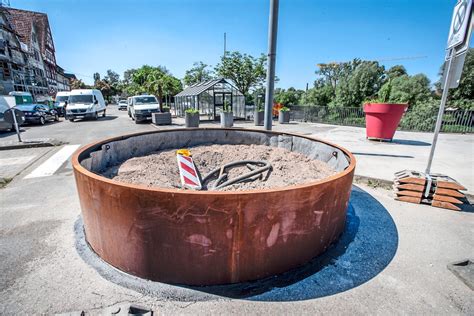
x,y
207,237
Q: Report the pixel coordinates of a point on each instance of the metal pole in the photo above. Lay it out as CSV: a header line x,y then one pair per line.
x,y
272,38
225,43
439,120
16,125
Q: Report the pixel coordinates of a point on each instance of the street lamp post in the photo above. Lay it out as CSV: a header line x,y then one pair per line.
x,y
272,38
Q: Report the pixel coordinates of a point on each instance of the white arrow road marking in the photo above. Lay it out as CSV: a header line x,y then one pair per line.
x,y
50,166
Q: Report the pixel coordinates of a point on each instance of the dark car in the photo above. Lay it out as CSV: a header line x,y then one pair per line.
x,y
38,113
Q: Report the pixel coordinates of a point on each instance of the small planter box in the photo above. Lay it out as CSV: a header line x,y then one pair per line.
x,y
161,118
382,119
284,117
191,120
258,118
227,119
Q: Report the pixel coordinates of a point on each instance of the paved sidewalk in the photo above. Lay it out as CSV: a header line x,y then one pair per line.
x,y
28,143
12,162
454,154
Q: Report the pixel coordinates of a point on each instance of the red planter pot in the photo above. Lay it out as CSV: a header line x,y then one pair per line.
x,y
381,119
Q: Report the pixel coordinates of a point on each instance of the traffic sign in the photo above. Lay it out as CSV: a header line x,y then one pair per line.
x,y
14,117
455,71
20,116
187,170
460,23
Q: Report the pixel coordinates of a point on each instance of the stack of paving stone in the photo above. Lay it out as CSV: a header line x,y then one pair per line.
x,y
436,189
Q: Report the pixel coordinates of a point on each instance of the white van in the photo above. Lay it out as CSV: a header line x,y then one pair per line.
x,y
60,101
140,107
85,103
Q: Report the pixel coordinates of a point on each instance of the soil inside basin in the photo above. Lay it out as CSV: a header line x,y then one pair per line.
x,y
160,169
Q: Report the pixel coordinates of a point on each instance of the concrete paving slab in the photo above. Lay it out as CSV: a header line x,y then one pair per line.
x,y
12,162
28,143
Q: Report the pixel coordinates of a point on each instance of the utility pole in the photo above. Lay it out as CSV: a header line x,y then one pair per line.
x,y
225,43
272,39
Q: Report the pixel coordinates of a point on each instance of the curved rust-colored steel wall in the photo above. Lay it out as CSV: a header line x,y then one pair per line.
x,y
206,238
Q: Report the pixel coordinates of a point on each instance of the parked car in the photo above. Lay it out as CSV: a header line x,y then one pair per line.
x,y
85,103
122,105
60,102
38,113
141,107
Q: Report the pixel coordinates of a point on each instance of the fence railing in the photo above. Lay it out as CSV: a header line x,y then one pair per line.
x,y
454,121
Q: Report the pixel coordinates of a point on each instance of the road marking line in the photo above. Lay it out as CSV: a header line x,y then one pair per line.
x,y
15,160
50,166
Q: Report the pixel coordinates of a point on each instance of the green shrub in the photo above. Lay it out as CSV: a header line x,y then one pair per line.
x,y
354,121
192,111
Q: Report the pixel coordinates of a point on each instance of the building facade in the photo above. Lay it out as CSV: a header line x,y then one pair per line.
x,y
13,58
39,73
61,80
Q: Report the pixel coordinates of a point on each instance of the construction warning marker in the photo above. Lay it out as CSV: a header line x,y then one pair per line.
x,y
187,170
411,187
449,192
433,189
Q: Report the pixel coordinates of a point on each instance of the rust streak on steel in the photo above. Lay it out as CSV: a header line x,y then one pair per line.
x,y
208,237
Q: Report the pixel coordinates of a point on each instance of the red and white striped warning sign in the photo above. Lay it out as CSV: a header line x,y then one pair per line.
x,y
188,173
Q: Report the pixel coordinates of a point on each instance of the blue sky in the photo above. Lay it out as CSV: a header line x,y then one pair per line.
x,y
93,36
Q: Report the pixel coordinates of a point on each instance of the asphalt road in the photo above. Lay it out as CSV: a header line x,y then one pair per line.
x,y
392,258
82,131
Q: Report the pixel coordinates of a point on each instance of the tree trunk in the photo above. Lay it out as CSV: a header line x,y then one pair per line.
x,y
160,99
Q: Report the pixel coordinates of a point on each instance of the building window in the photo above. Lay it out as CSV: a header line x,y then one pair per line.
x,y
5,70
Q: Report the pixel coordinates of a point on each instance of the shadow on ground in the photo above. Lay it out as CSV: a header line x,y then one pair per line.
x,y
6,133
99,119
410,142
381,155
366,247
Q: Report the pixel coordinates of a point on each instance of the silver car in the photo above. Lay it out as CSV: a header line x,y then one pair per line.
x,y
122,105
3,124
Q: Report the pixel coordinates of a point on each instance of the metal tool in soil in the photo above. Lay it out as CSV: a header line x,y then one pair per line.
x,y
257,169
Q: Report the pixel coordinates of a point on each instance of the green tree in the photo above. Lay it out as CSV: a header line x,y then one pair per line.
x,y
244,70
409,89
332,73
127,76
321,94
154,80
105,88
171,87
396,71
96,77
462,96
78,84
198,73
288,97
112,77
465,90
360,84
